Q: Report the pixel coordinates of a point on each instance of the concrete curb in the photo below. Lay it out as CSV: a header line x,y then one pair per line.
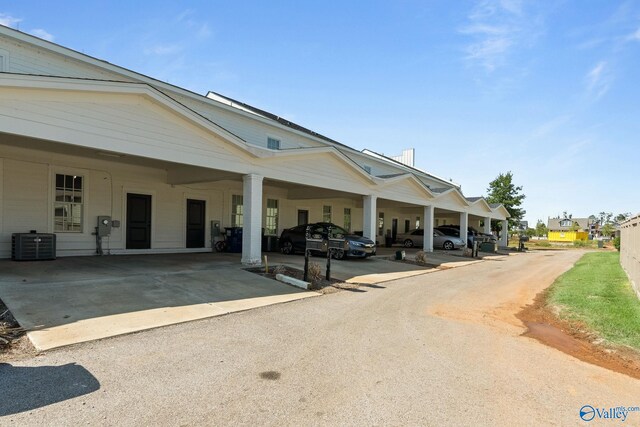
x,y
292,281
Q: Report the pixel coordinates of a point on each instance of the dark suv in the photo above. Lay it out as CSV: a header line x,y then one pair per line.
x,y
294,240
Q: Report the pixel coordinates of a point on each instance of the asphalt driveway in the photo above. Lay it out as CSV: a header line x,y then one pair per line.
x,y
78,299
435,349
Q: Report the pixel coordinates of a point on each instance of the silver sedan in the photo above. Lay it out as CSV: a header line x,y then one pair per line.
x,y
440,240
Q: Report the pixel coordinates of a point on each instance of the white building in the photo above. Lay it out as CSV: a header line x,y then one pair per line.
x,y
82,138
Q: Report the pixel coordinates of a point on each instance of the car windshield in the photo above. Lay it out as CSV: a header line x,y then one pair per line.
x,y
336,229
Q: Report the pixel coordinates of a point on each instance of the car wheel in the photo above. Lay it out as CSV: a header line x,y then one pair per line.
x,y
447,246
339,254
408,243
287,247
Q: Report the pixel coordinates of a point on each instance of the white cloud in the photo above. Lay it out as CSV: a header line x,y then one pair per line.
x,y
497,27
598,80
9,21
39,32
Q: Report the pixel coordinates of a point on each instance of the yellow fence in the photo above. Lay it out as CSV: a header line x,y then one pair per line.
x,y
567,236
630,250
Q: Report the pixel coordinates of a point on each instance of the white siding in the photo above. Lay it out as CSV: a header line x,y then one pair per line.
x,y
26,195
28,59
129,124
27,191
406,190
252,130
319,170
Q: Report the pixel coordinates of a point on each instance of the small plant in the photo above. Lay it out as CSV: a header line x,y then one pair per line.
x,y
543,244
616,243
314,275
279,269
421,257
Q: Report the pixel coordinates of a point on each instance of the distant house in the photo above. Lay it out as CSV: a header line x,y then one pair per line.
x,y
569,229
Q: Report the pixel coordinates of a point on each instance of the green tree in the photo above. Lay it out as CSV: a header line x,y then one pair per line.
x,y
541,229
622,217
503,190
607,230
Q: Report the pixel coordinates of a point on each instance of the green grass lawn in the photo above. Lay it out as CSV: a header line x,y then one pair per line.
x,y
597,292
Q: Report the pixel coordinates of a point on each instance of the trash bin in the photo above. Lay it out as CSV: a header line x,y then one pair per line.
x,y
488,247
234,239
400,255
600,243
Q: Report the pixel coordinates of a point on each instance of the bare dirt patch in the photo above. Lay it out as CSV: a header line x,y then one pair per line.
x,y
573,338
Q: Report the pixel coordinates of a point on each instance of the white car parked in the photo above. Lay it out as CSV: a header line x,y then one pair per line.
x,y
440,240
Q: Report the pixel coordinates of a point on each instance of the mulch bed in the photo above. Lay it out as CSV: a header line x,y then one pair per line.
x,y
14,342
323,285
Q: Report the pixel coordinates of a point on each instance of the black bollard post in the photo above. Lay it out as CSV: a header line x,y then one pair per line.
x,y
306,265
328,275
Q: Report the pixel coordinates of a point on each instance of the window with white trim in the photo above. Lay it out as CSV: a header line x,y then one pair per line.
x,y
417,222
347,219
271,222
326,213
236,210
273,143
68,205
380,223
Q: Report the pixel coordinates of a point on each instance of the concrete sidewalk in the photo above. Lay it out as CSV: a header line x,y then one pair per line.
x,y
72,300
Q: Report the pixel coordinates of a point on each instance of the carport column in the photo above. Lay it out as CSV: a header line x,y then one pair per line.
x,y
487,225
428,229
504,238
369,220
464,225
252,219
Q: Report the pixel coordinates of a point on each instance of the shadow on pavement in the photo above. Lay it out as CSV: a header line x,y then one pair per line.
x,y
369,285
27,388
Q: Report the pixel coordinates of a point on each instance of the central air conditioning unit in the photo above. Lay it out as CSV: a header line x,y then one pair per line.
x,y
33,246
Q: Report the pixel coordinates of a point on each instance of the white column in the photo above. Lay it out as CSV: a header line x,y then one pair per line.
x,y
252,219
504,238
428,229
464,224
369,217
487,225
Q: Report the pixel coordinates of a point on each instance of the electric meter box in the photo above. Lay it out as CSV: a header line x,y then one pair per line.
x,y
104,226
215,228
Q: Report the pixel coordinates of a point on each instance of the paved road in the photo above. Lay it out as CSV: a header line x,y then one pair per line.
x,y
439,349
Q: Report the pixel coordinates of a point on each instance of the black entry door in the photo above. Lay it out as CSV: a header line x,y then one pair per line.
x,y
303,217
195,223
138,221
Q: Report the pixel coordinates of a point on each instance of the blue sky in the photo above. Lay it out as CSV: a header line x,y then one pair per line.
x,y
546,89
